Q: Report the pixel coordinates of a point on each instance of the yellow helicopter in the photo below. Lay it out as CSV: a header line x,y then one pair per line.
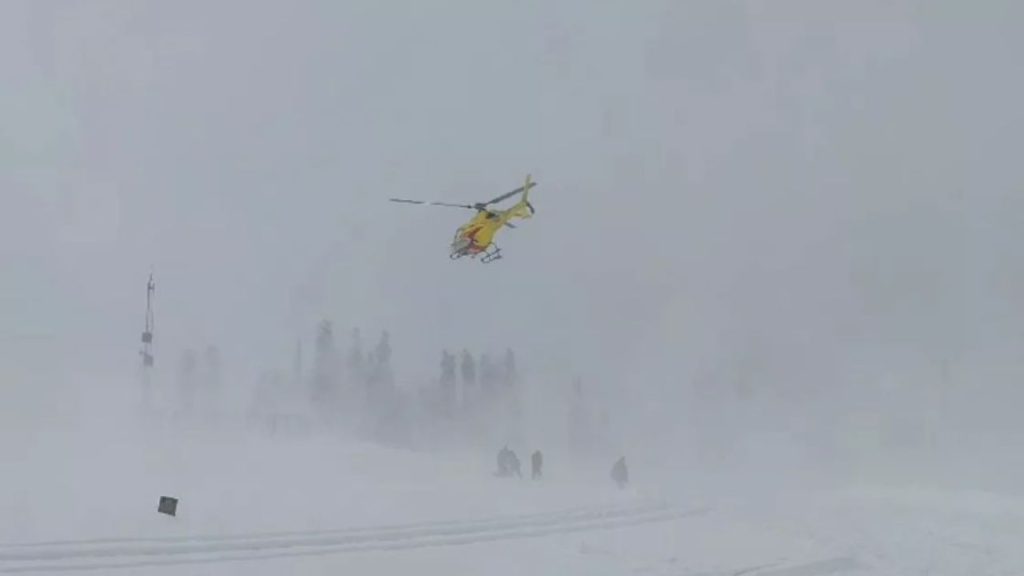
x,y
476,237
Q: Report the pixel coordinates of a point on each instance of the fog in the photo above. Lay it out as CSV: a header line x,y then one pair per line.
x,y
775,243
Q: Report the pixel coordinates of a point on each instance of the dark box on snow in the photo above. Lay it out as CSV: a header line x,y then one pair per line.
x,y
168,506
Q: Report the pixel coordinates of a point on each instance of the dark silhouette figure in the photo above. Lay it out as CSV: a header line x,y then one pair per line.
x,y
508,463
503,461
513,462
448,386
468,369
447,368
510,375
620,474
536,463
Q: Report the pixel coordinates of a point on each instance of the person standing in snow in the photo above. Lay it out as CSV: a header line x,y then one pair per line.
x,y
620,474
536,462
503,463
514,464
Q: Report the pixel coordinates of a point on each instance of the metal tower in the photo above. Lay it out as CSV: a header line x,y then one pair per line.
x,y
147,334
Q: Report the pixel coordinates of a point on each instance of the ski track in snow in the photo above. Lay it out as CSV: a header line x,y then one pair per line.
x,y
353,530
827,567
134,553
840,565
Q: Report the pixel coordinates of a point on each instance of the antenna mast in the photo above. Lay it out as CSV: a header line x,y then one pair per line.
x,y
147,334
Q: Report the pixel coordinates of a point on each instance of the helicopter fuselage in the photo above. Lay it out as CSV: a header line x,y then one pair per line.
x,y
477,235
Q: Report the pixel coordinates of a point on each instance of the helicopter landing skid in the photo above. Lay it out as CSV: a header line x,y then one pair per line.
x,y
493,253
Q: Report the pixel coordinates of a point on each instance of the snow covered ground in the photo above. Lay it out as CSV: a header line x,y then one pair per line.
x,y
251,504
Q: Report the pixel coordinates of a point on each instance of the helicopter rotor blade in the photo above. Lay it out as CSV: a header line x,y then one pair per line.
x,y
479,206
449,205
423,202
509,194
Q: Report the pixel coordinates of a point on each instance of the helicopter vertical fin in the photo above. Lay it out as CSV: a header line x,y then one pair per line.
x,y
526,209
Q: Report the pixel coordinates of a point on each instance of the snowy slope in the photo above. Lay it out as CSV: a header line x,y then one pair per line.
x,y
309,505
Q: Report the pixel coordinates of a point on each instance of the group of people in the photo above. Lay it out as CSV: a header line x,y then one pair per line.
x,y
508,465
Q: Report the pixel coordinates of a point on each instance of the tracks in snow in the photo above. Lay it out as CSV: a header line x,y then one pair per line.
x,y
114,553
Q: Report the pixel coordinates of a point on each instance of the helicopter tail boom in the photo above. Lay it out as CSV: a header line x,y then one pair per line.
x,y
522,209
